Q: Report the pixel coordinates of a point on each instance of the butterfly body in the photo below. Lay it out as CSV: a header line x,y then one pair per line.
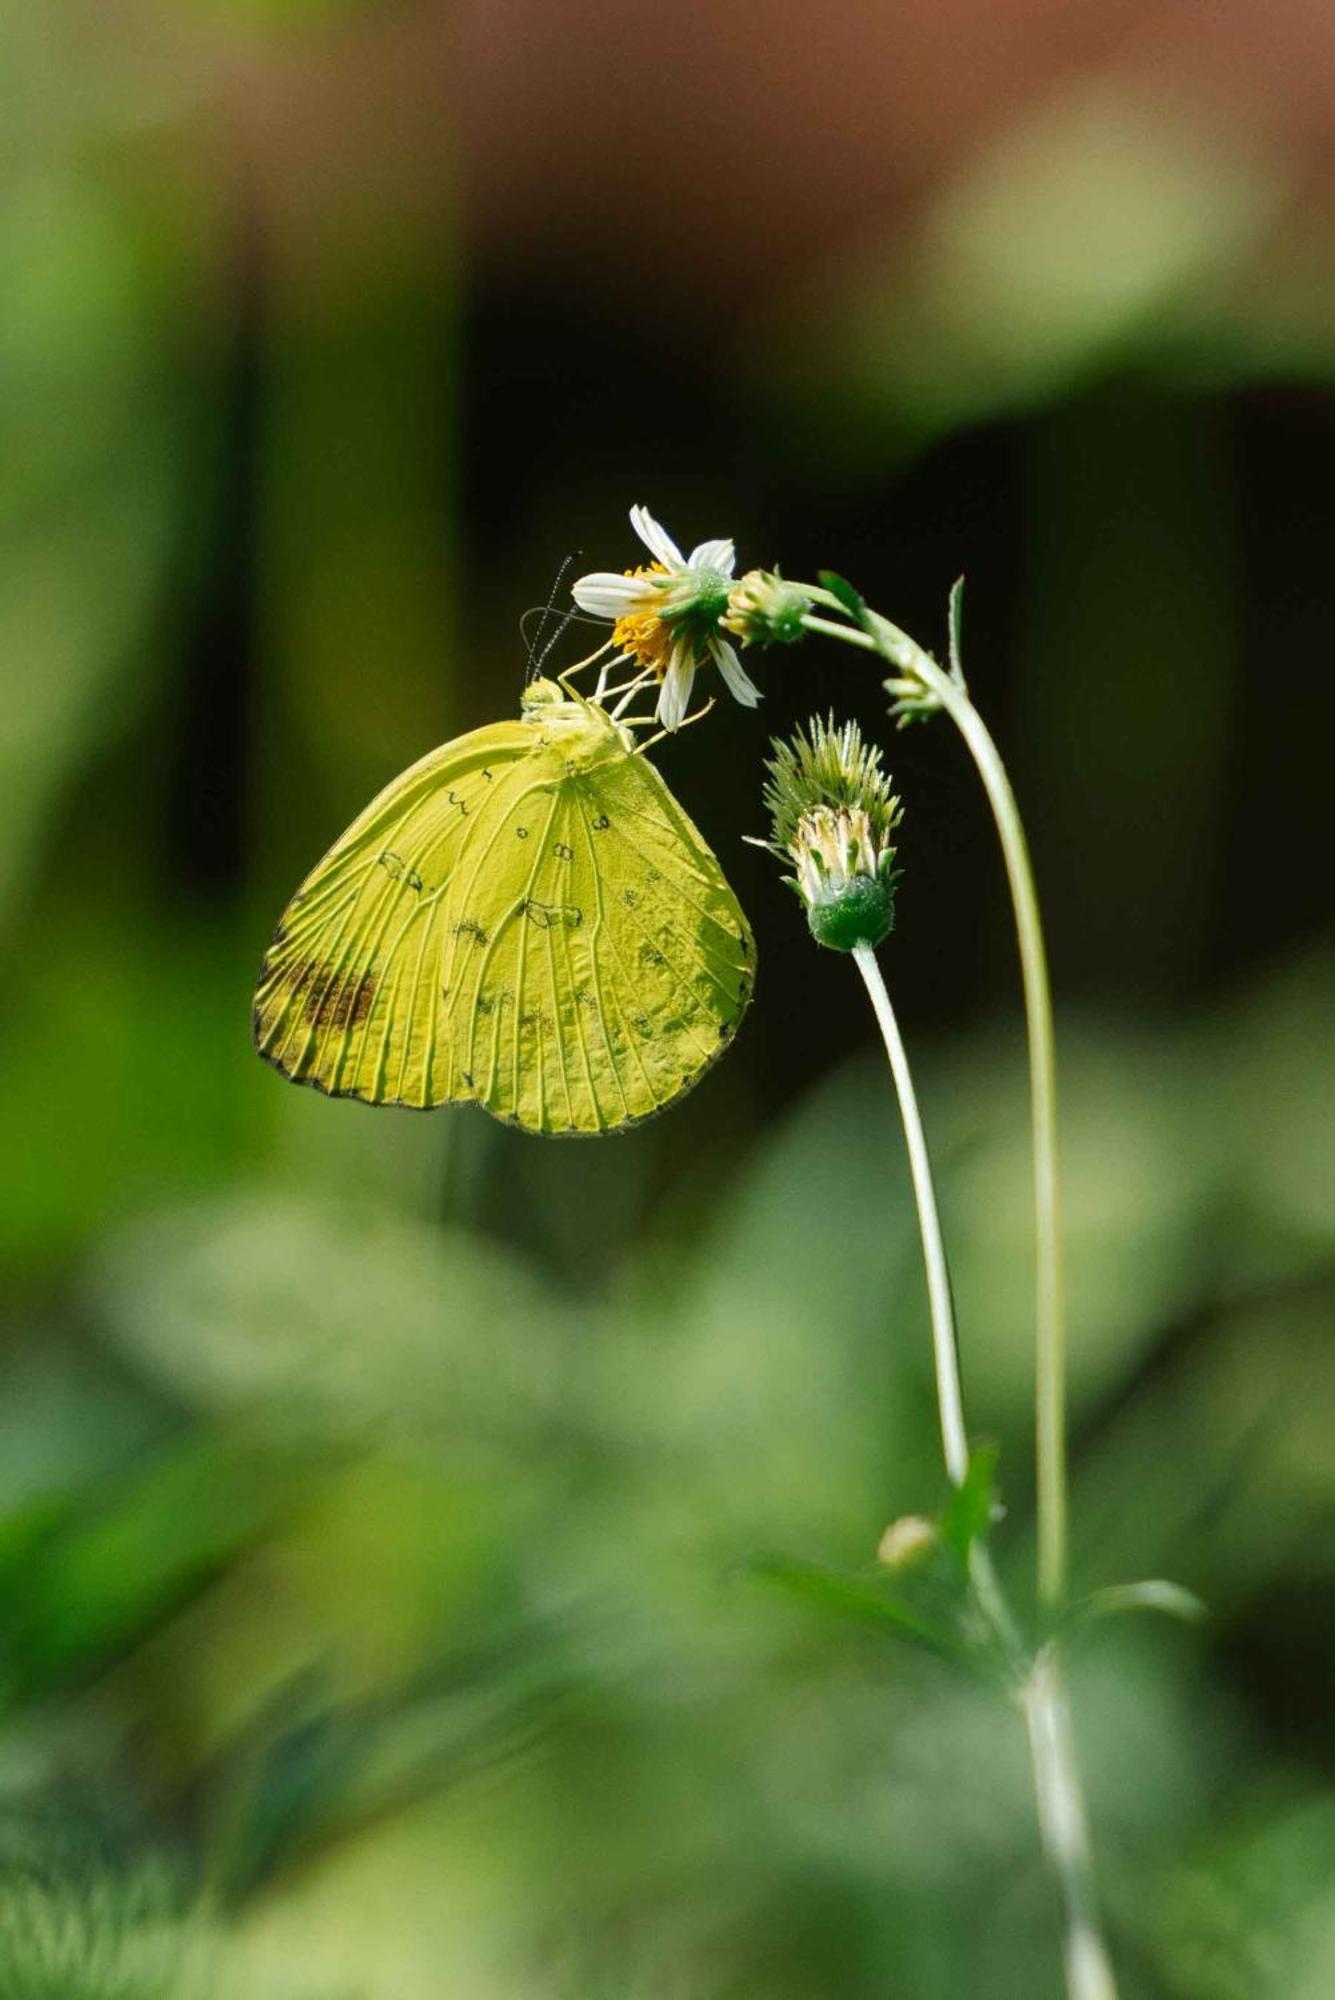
x,y
525,919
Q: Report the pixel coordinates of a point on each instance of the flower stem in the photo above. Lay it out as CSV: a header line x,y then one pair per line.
x,y
1042,1691
1050,1359
945,1340
948,692
1065,1830
949,1394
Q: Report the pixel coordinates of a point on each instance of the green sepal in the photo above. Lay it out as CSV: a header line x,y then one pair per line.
x,y
861,913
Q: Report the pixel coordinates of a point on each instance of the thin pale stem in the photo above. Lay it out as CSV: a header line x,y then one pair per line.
x,y
945,1339
848,633
1065,1830
907,657
1050,1360
949,1393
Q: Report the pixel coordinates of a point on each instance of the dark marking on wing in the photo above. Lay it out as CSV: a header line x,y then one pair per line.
x,y
601,824
453,799
629,898
470,927
397,871
552,916
562,852
521,833
330,999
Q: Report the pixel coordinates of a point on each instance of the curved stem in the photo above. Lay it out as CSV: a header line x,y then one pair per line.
x,y
1050,1360
949,1394
907,657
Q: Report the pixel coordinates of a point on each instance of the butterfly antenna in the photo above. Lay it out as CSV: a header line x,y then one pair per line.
x,y
541,645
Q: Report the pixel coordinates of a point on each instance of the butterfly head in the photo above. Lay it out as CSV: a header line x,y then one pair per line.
x,y
585,732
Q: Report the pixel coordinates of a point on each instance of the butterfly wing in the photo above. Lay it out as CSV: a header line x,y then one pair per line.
x,y
349,995
501,924
621,970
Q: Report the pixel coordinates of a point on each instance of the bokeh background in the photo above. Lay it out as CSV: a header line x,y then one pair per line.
x,y
380,1494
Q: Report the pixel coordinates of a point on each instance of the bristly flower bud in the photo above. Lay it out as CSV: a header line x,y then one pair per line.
x,y
832,814
764,610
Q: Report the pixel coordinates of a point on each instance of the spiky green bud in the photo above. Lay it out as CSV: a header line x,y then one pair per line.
x,y
832,813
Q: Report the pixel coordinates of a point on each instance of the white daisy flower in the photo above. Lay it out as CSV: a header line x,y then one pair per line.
x,y
668,615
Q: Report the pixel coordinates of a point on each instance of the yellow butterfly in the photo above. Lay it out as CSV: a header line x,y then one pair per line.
x,y
526,919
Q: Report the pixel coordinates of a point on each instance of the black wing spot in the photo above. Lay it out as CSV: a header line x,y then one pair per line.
x,y
651,955
466,1077
521,833
601,824
552,916
630,898
643,1027
485,1004
487,776
453,799
470,927
562,852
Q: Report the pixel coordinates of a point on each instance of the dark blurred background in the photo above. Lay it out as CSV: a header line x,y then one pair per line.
x,y
377,1492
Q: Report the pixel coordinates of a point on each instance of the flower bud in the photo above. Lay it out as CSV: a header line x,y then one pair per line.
x,y
905,1542
763,610
832,812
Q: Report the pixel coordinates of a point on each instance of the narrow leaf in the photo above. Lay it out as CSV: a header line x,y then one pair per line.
x,y
869,1604
972,1506
956,621
852,600
1154,1594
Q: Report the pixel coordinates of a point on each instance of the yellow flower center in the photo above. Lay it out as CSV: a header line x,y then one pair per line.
x,y
643,634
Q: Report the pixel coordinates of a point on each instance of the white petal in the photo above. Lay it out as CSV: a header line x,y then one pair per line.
x,y
738,682
607,595
656,539
715,555
675,694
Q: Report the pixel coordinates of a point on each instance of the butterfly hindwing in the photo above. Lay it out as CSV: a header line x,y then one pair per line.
x,y
629,966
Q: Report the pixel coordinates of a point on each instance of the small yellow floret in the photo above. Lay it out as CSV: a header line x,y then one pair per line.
x,y
643,634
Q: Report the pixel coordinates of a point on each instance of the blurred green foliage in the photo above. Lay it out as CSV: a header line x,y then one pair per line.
x,y
383,1500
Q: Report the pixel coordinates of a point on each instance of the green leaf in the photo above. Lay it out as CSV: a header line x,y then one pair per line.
x,y
852,600
852,1597
972,1507
956,623
1154,1594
